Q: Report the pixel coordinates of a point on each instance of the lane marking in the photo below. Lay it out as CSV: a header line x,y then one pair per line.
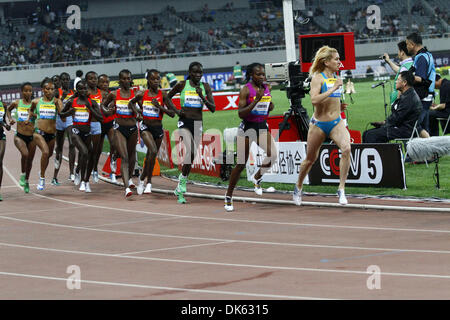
x,y
221,264
306,245
174,248
141,286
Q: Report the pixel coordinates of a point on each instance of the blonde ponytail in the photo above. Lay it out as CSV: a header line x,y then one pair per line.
x,y
325,53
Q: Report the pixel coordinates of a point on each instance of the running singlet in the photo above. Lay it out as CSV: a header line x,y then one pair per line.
x,y
122,109
189,97
149,111
261,110
82,116
22,112
67,96
46,110
328,84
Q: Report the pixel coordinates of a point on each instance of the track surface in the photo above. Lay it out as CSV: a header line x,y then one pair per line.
x,y
151,247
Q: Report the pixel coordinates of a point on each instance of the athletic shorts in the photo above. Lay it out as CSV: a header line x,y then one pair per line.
x,y
61,125
83,135
191,125
26,139
156,131
126,131
47,136
2,134
258,127
106,127
96,128
326,126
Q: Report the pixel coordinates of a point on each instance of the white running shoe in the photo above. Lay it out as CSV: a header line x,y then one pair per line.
x,y
140,187
41,185
131,184
342,198
128,192
148,188
77,179
113,178
297,196
72,178
228,204
87,188
82,186
57,163
95,176
257,183
113,165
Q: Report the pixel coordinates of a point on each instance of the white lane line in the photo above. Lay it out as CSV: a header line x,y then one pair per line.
x,y
41,210
234,220
222,264
174,248
306,245
141,286
131,222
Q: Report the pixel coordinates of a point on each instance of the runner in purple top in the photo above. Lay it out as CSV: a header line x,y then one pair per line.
x,y
255,103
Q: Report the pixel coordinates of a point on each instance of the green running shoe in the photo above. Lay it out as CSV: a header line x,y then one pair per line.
x,y
55,182
180,196
1,199
26,188
22,180
182,184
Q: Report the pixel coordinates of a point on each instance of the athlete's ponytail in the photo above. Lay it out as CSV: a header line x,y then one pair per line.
x,y
324,54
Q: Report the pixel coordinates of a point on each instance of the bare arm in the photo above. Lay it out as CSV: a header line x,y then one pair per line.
x,y
209,100
244,109
94,108
104,106
316,84
137,99
10,108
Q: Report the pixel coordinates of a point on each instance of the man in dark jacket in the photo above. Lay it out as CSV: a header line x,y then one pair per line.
x,y
405,112
441,110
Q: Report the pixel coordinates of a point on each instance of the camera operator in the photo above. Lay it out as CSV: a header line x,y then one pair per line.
x,y
404,113
406,63
424,79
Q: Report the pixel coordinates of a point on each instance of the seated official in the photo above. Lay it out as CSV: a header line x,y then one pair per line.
x,y
441,110
404,113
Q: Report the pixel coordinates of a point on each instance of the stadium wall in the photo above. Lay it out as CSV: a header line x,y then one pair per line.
x,y
180,65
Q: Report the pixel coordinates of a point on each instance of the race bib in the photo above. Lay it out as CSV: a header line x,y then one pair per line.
x,y
47,111
192,99
2,112
81,115
262,107
22,114
122,108
149,110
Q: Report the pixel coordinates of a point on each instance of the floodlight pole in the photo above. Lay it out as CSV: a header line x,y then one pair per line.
x,y
289,34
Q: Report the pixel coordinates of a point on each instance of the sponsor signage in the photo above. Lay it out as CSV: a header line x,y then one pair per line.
x,y
379,164
222,100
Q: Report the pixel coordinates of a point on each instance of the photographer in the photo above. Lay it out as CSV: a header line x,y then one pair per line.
x,y
406,63
424,79
404,113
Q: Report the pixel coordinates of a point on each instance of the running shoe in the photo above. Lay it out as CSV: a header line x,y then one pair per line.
x,y
41,185
297,196
342,198
1,199
257,184
128,192
113,165
131,184
77,179
113,178
87,187
182,184
57,163
26,187
148,188
82,186
180,196
228,204
95,176
22,180
140,187
72,177
55,182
